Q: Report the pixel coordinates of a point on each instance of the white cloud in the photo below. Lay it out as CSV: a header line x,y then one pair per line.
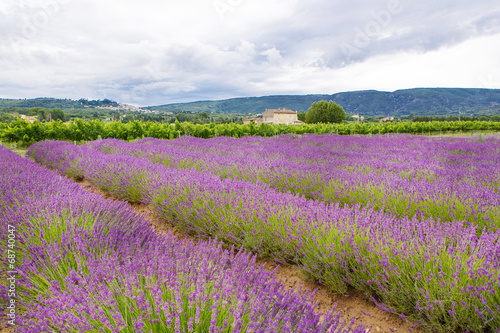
x,y
273,55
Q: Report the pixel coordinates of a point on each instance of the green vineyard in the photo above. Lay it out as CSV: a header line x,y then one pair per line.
x,y
25,133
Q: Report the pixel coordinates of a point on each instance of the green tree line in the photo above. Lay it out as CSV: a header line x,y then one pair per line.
x,y
25,133
455,118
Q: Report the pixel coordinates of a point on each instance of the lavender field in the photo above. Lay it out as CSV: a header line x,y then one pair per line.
x,y
87,264
412,222
449,179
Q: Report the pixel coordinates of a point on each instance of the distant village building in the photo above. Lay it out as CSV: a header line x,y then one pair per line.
x,y
280,116
275,116
386,119
120,107
358,117
256,121
30,119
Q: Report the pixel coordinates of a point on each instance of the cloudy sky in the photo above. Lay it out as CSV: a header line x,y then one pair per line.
x,y
151,52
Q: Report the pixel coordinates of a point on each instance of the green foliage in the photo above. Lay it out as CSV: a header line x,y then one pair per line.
x,y
25,133
36,111
452,118
51,103
6,118
325,112
46,114
95,103
57,114
301,115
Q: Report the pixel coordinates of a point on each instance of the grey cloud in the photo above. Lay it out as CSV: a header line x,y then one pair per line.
x,y
97,48
414,30
488,24
355,31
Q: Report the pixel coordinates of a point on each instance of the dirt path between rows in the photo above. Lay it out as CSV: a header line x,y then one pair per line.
x,y
291,277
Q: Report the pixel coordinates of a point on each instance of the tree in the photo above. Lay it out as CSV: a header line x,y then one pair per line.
x,y
6,118
57,114
325,112
36,111
301,115
181,117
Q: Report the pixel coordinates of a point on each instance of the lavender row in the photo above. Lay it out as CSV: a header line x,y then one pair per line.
x,y
448,179
87,264
442,275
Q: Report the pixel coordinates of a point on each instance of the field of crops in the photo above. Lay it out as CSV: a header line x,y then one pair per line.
x,y
22,132
413,222
82,263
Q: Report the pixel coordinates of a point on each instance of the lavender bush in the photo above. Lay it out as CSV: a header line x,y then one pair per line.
x,y
449,179
442,274
88,264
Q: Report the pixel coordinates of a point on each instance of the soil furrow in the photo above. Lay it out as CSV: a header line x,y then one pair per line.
x,y
291,277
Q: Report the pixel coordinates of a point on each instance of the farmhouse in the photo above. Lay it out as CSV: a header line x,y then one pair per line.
x,y
280,116
358,117
256,121
386,119
30,119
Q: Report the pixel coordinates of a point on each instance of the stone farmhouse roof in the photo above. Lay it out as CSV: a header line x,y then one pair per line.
x,y
280,111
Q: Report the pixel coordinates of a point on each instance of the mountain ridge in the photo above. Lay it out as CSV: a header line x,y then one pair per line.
x,y
399,103
416,101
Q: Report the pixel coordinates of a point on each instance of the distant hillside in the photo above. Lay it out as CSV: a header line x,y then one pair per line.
x,y
51,103
421,101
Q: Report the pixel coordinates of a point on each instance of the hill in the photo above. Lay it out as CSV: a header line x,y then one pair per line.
x,y
400,103
419,101
51,103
